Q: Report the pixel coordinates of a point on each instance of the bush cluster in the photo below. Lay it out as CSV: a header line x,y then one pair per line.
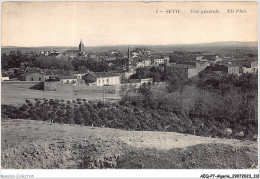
x,y
212,103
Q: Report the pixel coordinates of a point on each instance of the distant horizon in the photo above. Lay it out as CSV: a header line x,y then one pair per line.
x,y
215,42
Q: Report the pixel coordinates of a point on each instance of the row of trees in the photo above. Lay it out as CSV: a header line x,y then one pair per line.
x,y
157,73
51,62
99,114
15,58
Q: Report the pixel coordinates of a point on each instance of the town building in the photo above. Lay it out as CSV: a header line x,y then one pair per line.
x,y
71,80
46,53
115,52
182,71
76,53
147,62
246,65
104,78
201,65
136,83
224,68
157,60
231,69
191,63
147,81
123,74
32,76
79,74
138,52
211,58
49,53
5,78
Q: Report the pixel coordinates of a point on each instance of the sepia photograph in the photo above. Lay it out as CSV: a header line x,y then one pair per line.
x,y
129,85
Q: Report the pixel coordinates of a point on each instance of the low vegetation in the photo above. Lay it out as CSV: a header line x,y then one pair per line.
x,y
216,106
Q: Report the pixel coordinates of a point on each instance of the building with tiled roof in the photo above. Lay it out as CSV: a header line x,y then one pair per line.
x,y
32,76
225,68
183,71
104,78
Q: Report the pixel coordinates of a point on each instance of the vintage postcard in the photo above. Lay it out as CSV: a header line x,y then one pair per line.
x,y
129,85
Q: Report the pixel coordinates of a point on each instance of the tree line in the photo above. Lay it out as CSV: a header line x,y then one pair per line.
x,y
15,58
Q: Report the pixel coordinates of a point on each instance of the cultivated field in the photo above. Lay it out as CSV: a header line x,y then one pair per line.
x,y
37,144
15,93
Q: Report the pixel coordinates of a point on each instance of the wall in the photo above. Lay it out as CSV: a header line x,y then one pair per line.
x,y
137,85
68,81
35,77
180,72
21,84
114,80
56,86
201,65
247,70
6,78
50,86
233,70
192,72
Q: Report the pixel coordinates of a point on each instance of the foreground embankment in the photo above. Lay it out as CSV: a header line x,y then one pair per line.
x,y
28,144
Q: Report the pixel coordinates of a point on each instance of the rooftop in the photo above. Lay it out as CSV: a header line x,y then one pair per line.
x,y
135,80
68,77
72,51
181,66
29,73
104,74
230,65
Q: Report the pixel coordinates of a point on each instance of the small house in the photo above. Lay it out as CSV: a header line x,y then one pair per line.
x,y
31,76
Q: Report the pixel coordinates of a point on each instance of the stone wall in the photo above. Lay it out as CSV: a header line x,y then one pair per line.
x,y
20,84
56,86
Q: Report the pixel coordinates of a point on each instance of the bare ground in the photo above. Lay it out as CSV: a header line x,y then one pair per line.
x,y
37,144
16,94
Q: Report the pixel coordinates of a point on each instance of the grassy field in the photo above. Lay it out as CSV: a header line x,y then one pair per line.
x,y
38,144
16,93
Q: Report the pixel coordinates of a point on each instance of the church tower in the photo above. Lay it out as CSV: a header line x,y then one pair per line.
x,y
81,47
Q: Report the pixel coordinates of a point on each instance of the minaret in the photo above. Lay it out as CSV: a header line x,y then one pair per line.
x,y
81,46
128,63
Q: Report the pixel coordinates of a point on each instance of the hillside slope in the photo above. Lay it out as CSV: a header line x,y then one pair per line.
x,y
36,144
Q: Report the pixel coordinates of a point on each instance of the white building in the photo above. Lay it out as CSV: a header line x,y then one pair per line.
x,y
71,80
160,60
139,64
147,62
79,75
5,78
104,78
202,64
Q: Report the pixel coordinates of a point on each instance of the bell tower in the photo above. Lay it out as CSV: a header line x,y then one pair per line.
x,y
81,46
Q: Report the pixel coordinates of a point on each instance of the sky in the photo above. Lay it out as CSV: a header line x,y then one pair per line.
x,y
32,24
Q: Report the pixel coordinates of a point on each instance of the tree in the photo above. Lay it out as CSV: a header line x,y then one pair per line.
x,y
89,78
78,116
70,115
